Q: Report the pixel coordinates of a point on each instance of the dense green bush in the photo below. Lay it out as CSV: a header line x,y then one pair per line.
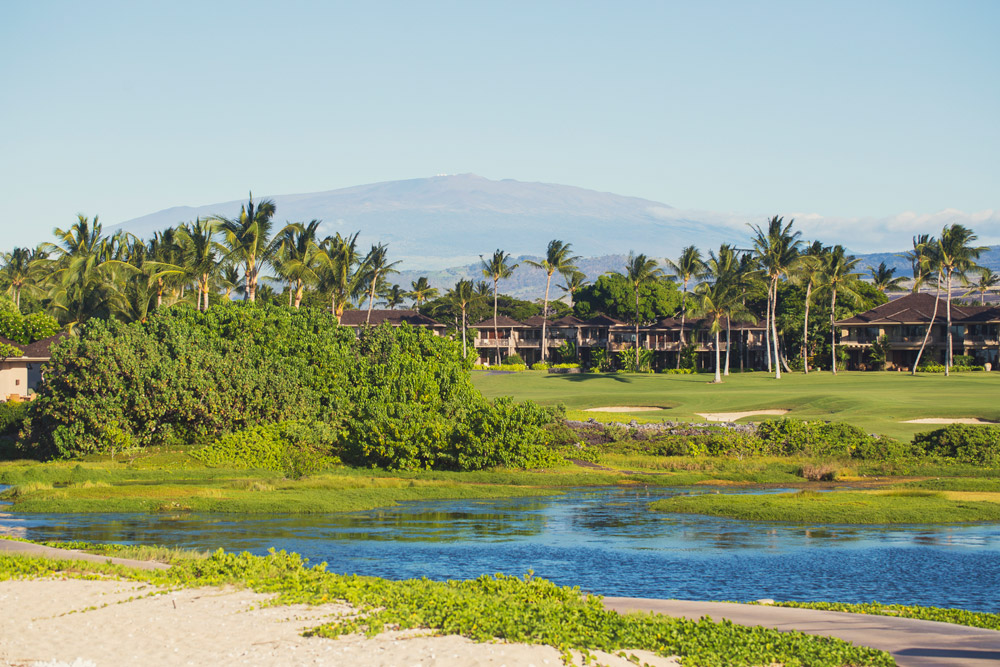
x,y
293,447
540,366
513,360
825,439
12,416
26,329
968,443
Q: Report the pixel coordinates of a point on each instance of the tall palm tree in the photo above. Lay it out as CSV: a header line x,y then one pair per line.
x,y
557,258
201,254
882,278
958,257
338,260
20,270
808,271
928,254
462,297
639,272
497,268
421,291
724,270
395,296
839,277
77,280
295,259
248,238
717,298
777,249
986,283
229,279
376,267
575,281
687,267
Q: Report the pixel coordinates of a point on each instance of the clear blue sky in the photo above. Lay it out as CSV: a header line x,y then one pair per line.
x,y
839,108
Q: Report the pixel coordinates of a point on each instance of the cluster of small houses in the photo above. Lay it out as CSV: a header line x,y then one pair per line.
x,y
903,322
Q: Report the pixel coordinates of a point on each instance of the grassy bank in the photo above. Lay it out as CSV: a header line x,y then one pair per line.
x,y
897,506
974,619
876,402
514,609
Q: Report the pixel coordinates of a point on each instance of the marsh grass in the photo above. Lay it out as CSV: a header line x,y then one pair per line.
x,y
837,507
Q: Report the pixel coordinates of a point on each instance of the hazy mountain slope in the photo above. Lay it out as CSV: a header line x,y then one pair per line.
x,y
434,223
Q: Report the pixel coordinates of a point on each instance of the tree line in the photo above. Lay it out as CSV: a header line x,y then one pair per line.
x,y
780,279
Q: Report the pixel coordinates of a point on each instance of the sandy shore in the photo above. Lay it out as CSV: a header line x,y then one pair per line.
x,y
733,416
56,623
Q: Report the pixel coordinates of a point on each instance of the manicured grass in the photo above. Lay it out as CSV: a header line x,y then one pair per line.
x,y
876,402
514,609
844,507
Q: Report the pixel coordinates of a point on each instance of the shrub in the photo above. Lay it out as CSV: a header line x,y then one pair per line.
x,y
513,360
791,436
295,448
679,371
968,443
567,365
540,366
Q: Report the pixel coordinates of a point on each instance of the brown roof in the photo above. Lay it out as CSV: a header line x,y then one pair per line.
x,y
502,321
568,321
918,309
358,317
603,321
40,349
535,321
8,341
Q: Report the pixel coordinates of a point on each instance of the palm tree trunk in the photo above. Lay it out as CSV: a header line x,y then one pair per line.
x,y
805,332
298,294
371,300
833,331
927,334
637,328
767,329
729,344
465,352
718,378
774,332
251,282
291,293
947,307
17,297
545,313
683,315
496,335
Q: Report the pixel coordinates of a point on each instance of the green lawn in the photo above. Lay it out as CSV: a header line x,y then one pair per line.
x,y
876,402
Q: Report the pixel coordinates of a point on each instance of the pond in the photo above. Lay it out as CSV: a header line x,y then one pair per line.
x,y
603,540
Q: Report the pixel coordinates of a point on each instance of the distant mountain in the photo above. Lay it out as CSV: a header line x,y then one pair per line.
x,y
439,222
895,260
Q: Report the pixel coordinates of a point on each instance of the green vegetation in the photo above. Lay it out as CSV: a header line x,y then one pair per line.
x,y
515,609
975,619
978,445
877,402
853,507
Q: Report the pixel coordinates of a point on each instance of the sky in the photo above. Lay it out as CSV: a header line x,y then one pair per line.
x,y
837,112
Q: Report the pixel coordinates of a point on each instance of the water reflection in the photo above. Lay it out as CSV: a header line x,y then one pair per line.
x,y
604,540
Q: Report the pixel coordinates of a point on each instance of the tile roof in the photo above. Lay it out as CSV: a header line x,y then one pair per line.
x,y
603,321
502,321
918,309
40,349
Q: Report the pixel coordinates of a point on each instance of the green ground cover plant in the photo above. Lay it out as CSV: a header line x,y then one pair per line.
x,y
517,609
843,507
975,619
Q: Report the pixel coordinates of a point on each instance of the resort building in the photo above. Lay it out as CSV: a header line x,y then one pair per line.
x,y
975,332
357,318
20,376
495,341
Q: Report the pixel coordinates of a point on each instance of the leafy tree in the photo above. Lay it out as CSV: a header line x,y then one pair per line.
x,y
987,282
557,258
920,261
295,260
462,297
575,281
375,267
957,257
612,295
807,272
338,260
421,291
395,297
688,266
838,276
639,271
882,278
20,271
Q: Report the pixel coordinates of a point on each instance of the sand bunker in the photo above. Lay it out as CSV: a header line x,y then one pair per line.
x,y
120,623
733,416
623,408
945,420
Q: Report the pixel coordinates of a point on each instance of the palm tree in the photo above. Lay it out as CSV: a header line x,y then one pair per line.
x,y
688,266
718,297
229,279
987,281
338,259
395,296
20,270
77,281
640,271
882,278
247,237
421,291
201,253
376,266
557,258
575,281
958,257
462,297
295,259
497,268
724,269
808,272
928,255
777,249
918,258
839,277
